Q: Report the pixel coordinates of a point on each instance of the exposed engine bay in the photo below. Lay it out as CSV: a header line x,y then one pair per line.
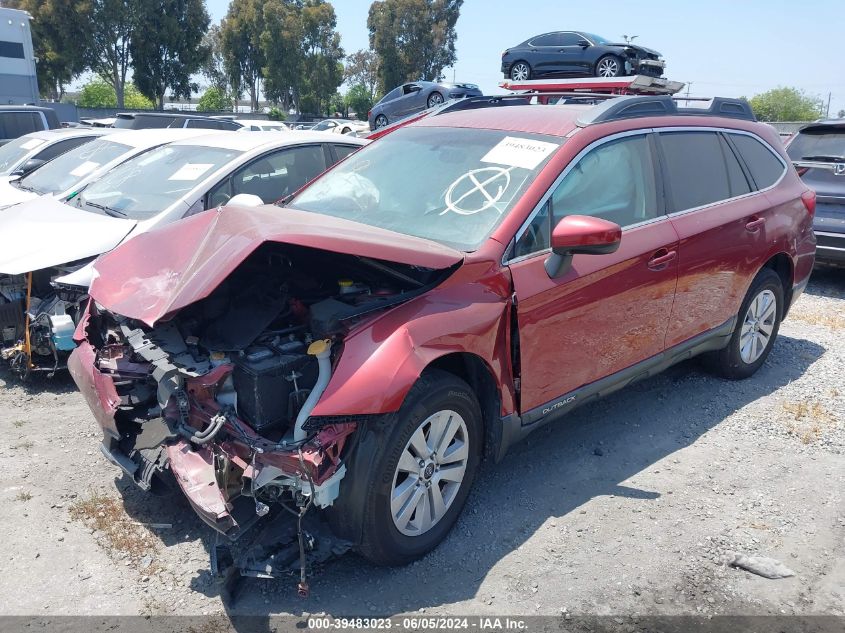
x,y
221,393
37,319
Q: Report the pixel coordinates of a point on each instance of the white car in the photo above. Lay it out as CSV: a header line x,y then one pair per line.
x,y
66,174
59,239
341,126
261,125
32,150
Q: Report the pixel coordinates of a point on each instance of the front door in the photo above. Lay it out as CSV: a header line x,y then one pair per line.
x,y
607,312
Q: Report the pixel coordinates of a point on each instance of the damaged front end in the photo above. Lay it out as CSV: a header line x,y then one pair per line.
x,y
37,319
219,395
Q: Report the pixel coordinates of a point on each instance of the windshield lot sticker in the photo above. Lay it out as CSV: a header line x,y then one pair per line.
x,y
84,169
32,143
477,190
191,171
519,152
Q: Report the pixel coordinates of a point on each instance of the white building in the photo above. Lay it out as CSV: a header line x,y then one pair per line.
x,y
18,82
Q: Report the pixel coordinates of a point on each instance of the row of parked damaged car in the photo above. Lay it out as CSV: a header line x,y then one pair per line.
x,y
353,351
68,195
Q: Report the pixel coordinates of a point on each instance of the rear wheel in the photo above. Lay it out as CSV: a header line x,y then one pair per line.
x,y
520,71
756,329
609,66
407,483
381,121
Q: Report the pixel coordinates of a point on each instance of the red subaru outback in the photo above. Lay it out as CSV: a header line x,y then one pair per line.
x,y
437,296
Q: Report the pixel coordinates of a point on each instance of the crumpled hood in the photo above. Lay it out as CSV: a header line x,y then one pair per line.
x,y
45,232
166,269
642,49
9,194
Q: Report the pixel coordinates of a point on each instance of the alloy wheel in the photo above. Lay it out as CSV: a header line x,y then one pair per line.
x,y
381,121
430,472
435,99
757,326
608,68
520,72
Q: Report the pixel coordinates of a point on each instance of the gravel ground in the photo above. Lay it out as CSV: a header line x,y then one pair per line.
x,y
628,507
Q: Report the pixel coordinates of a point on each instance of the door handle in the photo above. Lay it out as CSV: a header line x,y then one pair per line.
x,y
755,223
661,258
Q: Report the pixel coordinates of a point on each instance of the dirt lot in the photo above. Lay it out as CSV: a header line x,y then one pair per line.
x,y
626,508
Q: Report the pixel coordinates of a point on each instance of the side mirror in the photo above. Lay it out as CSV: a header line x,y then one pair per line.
x,y
415,88
582,234
584,44
29,166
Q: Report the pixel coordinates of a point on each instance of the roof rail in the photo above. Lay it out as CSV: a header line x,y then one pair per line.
x,y
663,105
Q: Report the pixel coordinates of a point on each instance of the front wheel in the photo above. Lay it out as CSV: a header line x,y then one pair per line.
x,y
609,66
435,99
756,329
407,482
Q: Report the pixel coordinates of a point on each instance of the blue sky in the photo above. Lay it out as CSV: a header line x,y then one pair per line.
x,y
727,48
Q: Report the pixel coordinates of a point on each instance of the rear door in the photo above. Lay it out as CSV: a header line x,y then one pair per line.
x,y
722,222
607,312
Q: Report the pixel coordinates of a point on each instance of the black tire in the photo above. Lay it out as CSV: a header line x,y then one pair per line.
x,y
515,70
362,512
381,121
728,362
609,60
432,101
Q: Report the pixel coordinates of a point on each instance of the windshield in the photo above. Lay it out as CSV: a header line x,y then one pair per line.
x,y
64,171
829,144
13,152
148,184
450,185
596,39
324,125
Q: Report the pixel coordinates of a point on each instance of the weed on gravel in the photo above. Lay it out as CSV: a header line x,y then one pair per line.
x,y
808,420
122,537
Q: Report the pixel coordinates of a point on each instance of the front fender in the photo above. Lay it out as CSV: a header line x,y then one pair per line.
x,y
380,363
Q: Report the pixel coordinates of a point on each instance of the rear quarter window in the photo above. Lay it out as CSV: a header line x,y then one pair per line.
x,y
696,169
766,168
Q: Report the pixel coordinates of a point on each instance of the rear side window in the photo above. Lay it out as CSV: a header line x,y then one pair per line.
x,y
736,177
766,168
550,39
696,169
15,124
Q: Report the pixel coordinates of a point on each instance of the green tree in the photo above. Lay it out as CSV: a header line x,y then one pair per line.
x,y
322,53
786,104
841,114
168,47
359,101
362,69
112,27
213,67
214,100
281,43
61,37
98,93
414,39
243,56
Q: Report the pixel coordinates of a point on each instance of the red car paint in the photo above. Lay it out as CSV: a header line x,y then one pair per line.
x,y
161,271
669,281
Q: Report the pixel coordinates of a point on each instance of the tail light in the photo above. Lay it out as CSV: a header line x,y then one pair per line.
x,y
802,170
369,112
809,200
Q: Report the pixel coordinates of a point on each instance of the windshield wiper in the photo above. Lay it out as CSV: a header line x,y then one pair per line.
x,y
17,183
115,213
830,158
